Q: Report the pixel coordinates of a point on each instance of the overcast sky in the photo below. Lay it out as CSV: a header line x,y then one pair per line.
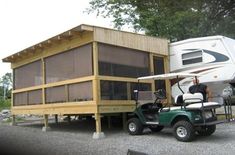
x,y
27,22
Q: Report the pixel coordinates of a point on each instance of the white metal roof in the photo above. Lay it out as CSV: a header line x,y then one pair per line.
x,y
168,76
197,39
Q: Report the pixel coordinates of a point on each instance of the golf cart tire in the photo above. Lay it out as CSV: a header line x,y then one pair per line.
x,y
134,126
184,131
207,131
156,128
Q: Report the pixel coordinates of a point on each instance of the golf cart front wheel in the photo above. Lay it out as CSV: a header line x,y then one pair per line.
x,y
184,131
207,130
134,126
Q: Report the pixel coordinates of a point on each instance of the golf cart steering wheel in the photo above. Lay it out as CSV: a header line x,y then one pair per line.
x,y
160,94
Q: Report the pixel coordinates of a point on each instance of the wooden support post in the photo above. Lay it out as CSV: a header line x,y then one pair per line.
x,y
98,134
151,61
46,126
56,118
129,91
124,120
46,120
13,123
96,81
69,118
43,82
66,92
109,122
98,122
168,84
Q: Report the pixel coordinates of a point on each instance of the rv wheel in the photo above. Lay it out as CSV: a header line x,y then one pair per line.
x,y
184,131
134,126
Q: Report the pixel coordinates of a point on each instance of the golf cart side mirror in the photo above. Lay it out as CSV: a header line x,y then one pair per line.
x,y
136,95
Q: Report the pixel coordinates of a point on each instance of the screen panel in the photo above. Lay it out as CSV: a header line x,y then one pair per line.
x,y
28,75
35,97
113,90
20,99
69,65
56,94
123,62
80,92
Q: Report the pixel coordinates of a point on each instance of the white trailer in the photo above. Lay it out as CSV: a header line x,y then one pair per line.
x,y
212,57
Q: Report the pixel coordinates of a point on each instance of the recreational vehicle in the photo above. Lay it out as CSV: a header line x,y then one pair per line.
x,y
212,57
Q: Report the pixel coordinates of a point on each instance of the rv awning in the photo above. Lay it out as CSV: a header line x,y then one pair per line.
x,y
168,76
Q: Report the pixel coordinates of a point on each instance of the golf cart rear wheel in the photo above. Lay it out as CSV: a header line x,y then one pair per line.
x,y
207,130
184,131
134,126
156,128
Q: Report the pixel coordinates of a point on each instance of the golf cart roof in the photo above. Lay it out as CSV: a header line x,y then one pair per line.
x,y
168,76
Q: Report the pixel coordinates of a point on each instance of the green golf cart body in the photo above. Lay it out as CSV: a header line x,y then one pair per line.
x,y
189,117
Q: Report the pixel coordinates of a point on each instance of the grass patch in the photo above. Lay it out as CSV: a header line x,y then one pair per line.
x,y
5,104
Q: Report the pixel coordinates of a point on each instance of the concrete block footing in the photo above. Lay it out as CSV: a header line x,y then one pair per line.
x,y
44,129
98,135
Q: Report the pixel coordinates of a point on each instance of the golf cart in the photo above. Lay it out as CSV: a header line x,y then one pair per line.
x,y
188,116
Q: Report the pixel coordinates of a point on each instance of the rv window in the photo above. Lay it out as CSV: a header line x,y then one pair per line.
x,y
192,57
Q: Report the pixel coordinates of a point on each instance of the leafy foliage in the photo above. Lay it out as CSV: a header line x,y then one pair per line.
x,y
5,86
174,19
5,104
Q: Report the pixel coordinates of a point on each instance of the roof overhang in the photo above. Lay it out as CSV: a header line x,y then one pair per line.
x,y
44,44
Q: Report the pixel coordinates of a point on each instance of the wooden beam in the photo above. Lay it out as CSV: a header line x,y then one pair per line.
x,y
95,82
124,79
87,107
151,65
116,108
54,84
129,91
117,102
95,58
43,81
66,93
168,84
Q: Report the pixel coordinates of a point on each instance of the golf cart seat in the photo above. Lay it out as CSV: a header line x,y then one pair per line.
x,y
195,101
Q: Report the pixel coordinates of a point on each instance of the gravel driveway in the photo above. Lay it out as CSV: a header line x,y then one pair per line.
x,y
76,138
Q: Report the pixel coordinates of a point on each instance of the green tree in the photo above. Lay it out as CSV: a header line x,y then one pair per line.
x,y
6,86
174,19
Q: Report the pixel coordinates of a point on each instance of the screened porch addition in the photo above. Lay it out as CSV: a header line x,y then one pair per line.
x,y
87,70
